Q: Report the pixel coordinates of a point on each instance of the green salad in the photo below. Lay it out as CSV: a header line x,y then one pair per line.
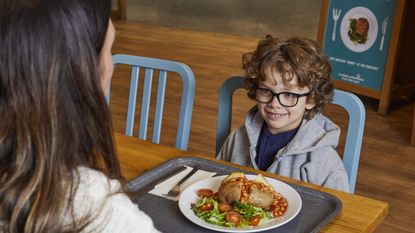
x,y
220,214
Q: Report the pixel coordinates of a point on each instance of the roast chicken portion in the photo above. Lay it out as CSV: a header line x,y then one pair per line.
x,y
236,187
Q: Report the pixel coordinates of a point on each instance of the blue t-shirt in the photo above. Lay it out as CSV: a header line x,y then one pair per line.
x,y
269,144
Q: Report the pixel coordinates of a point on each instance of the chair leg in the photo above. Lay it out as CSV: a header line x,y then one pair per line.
x,y
122,8
413,130
121,12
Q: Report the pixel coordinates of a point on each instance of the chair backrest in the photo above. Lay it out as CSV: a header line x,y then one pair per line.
x,y
348,101
164,67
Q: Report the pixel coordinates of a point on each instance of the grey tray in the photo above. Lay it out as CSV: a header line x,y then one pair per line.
x,y
317,210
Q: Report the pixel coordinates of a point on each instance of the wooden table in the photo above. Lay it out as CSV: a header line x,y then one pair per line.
x,y
358,214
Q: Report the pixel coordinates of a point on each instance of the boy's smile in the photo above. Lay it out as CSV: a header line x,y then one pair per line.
x,y
275,116
279,118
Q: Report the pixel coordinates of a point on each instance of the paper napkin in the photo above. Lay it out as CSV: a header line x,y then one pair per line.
x,y
169,183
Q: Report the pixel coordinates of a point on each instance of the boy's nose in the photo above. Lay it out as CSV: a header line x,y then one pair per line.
x,y
275,102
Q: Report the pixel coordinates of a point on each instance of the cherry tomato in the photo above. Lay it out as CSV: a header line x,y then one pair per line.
x,y
233,217
206,207
216,194
224,207
253,221
204,193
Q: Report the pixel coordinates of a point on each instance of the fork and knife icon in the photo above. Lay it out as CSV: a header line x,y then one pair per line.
x,y
384,26
336,16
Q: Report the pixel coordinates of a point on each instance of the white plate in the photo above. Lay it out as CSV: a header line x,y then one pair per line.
x,y
189,196
358,12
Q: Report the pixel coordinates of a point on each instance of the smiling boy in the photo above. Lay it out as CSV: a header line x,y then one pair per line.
x,y
285,133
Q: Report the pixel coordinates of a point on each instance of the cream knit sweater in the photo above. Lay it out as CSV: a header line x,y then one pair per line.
x,y
112,212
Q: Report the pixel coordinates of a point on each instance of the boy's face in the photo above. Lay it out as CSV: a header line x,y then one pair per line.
x,y
279,118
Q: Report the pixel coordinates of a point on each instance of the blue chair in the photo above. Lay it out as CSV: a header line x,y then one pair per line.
x,y
164,67
348,101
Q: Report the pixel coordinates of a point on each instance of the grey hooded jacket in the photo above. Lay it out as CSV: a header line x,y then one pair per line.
x,y
310,156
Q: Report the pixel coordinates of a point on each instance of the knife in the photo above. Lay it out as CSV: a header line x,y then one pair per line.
x,y
384,25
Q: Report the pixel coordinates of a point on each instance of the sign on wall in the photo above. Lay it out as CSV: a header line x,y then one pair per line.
x,y
356,36
357,39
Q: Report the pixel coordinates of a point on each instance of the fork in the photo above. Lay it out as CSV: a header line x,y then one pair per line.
x,y
175,191
336,16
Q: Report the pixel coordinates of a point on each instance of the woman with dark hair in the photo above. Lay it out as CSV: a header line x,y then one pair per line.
x,y
58,167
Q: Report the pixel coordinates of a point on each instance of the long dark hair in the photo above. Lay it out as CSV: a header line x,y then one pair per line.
x,y
53,115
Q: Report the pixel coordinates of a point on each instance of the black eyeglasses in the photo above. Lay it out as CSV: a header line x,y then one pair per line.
x,y
286,99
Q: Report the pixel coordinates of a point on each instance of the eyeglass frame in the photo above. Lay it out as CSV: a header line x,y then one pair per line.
x,y
278,96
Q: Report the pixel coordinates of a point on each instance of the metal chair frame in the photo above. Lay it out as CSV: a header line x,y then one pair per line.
x,y
164,67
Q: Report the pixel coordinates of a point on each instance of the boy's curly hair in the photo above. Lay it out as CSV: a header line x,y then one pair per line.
x,y
295,57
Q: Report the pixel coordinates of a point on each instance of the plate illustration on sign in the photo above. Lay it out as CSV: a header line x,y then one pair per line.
x,y
359,29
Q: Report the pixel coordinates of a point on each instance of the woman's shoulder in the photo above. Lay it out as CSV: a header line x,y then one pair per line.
x,y
112,209
98,182
91,191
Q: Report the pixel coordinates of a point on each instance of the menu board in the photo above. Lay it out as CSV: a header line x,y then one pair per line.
x,y
356,40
